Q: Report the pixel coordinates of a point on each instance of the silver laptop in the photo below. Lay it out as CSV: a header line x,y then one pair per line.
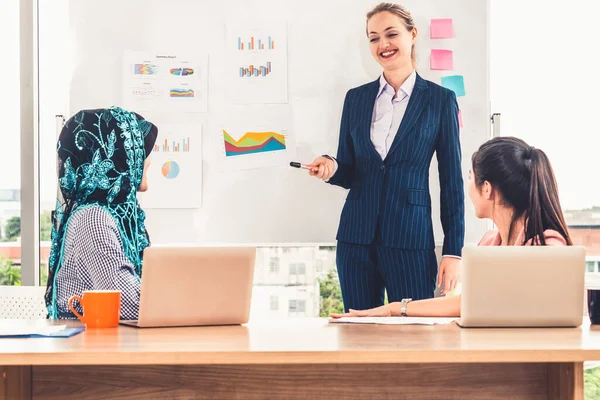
x,y
194,286
522,286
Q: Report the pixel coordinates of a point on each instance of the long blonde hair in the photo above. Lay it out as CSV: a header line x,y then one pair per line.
x,y
403,14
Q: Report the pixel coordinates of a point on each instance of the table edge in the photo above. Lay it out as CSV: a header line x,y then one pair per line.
x,y
299,357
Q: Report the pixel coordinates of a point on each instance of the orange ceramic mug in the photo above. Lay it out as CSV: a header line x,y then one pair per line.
x,y
101,308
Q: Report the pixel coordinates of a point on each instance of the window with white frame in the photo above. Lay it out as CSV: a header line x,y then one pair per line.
x,y
301,306
297,306
297,268
293,306
301,269
319,266
590,266
274,265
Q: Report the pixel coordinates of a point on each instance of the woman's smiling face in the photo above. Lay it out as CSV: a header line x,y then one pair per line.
x,y
391,43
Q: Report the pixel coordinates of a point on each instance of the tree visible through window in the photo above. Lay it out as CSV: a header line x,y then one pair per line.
x,y
331,294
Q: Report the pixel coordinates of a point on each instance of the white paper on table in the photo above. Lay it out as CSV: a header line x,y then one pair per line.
x,y
12,327
394,320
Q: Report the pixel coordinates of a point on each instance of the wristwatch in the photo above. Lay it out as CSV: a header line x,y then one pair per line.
x,y
403,304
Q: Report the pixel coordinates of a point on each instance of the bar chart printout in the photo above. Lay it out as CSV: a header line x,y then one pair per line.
x,y
257,62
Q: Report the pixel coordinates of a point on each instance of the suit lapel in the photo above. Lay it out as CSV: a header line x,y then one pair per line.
x,y
416,105
370,96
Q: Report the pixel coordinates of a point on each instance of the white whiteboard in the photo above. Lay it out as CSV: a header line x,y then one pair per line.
x,y
275,205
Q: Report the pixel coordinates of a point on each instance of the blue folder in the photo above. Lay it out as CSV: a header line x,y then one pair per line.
x,y
65,333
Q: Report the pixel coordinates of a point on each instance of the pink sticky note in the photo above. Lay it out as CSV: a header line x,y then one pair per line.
x,y
441,28
441,60
460,123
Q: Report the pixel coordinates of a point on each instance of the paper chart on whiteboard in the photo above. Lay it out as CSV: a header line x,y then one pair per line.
x,y
165,82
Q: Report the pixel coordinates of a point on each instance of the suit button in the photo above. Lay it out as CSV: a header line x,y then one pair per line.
x,y
382,168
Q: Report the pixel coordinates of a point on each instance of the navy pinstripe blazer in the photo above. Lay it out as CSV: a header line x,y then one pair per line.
x,y
395,191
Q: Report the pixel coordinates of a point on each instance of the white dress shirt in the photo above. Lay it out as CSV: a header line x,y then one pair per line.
x,y
390,107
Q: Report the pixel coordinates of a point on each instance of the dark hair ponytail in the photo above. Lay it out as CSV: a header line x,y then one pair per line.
x,y
544,211
524,178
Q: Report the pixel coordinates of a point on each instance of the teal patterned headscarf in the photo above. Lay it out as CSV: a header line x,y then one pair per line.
x,y
101,155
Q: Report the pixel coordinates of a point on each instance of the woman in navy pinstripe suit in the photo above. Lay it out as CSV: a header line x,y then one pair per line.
x,y
389,132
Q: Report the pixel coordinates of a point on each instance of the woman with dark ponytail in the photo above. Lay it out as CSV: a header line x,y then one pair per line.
x,y
513,184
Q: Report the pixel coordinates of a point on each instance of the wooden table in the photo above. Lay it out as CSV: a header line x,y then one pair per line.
x,y
301,359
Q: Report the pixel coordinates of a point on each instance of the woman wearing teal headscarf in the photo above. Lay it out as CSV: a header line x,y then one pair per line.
x,y
98,237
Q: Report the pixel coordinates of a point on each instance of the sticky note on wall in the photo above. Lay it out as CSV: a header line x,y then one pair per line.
x,y
441,60
456,83
441,28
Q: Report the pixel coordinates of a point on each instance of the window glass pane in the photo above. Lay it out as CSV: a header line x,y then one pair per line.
x,y
301,306
544,83
302,269
305,285
54,78
10,156
274,303
274,265
590,266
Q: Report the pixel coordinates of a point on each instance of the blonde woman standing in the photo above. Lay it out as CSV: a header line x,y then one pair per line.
x,y
390,130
